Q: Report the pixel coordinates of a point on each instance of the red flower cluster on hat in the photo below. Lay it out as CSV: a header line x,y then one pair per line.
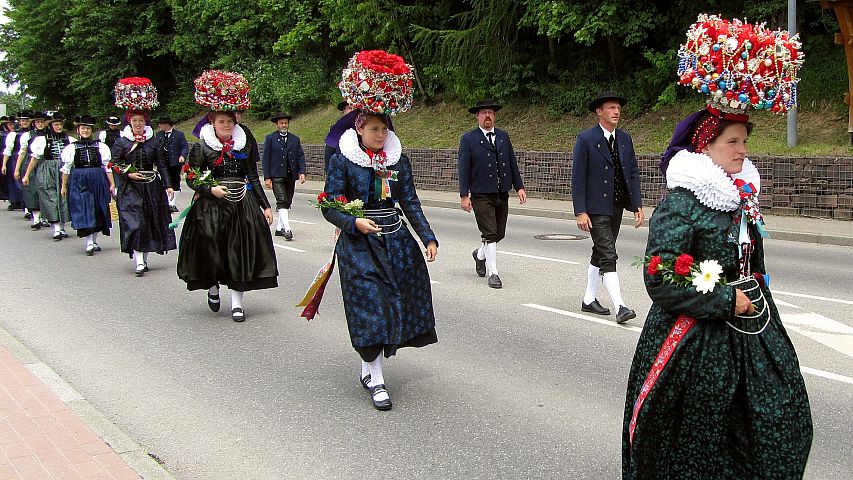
x,y
741,66
377,81
136,93
221,90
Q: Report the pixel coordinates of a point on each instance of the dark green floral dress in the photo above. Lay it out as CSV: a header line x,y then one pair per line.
x,y
727,405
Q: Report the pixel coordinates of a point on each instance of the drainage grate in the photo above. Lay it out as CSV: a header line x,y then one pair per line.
x,y
560,236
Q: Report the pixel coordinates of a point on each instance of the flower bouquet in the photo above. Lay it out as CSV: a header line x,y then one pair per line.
x,y
683,270
196,178
354,208
122,169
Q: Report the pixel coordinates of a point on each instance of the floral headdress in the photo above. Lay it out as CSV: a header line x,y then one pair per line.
x,y
378,82
221,90
135,94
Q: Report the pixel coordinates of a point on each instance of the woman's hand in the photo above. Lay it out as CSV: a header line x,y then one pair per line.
x,y
366,226
743,304
431,251
135,177
219,191
268,215
25,180
170,192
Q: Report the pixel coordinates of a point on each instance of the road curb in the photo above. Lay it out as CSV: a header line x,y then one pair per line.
x,y
802,237
132,452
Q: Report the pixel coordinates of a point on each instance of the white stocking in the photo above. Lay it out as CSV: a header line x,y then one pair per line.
x,y
376,377
592,284
283,218
236,299
491,250
611,281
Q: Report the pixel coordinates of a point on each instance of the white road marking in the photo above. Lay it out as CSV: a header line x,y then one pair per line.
x,y
304,223
785,304
804,369
288,248
816,322
813,297
580,316
432,282
557,260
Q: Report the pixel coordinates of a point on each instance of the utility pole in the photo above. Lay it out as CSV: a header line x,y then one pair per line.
x,y
792,113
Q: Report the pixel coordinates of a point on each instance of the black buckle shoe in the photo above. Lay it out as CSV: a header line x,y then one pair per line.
x,y
28,215
479,265
63,233
140,270
96,247
380,404
365,381
36,226
238,315
173,209
625,314
213,302
279,233
495,281
595,308
90,250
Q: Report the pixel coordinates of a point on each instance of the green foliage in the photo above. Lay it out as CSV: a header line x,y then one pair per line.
x,y
286,83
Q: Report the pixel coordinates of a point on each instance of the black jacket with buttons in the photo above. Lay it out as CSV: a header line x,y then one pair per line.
x,y
484,168
281,157
594,173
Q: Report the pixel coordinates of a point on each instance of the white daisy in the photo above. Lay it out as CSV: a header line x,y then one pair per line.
x,y
708,276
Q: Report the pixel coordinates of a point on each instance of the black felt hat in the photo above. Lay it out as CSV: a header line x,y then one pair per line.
x,y
280,115
488,103
87,120
54,117
25,115
605,97
38,115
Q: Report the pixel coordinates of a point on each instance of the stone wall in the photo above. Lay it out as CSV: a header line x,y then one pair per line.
x,y
807,186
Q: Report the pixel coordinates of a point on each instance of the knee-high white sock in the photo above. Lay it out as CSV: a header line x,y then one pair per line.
x,y
172,200
280,224
376,377
138,258
36,217
87,242
611,281
491,250
481,252
95,237
592,283
365,369
283,218
236,299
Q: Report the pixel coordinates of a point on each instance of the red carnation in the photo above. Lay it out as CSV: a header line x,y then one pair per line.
x,y
191,176
653,265
186,168
683,264
322,196
341,199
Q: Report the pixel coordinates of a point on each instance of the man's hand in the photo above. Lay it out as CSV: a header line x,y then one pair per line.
x,y
301,178
181,159
522,196
583,221
638,218
465,204
268,183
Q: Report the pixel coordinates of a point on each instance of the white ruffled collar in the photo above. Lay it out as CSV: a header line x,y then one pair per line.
x,y
208,136
708,181
127,133
352,150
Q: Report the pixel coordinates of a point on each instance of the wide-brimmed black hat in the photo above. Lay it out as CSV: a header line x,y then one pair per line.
x,y
280,115
113,120
604,97
25,115
166,119
54,117
342,105
488,103
87,120
38,116
4,119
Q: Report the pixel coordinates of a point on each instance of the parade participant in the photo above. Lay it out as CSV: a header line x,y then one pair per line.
x,y
143,207
329,150
176,149
605,182
46,150
384,279
715,389
4,181
86,185
112,132
283,163
11,148
226,238
30,187
487,171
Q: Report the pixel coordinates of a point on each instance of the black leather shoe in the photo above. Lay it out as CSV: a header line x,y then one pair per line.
x,y
10,207
63,233
140,270
173,209
213,302
495,281
380,404
365,382
595,308
238,315
279,233
90,250
145,267
28,215
479,265
45,223
36,226
288,235
625,314
57,236
97,247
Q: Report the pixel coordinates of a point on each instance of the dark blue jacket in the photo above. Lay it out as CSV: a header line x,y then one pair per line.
x,y
481,164
279,157
593,172
178,146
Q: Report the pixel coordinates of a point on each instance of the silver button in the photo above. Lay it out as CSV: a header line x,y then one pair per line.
x,y
606,167
605,195
605,181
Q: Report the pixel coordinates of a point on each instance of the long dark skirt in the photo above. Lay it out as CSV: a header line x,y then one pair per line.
x,y
386,291
4,187
54,208
30,192
16,196
227,243
89,201
143,218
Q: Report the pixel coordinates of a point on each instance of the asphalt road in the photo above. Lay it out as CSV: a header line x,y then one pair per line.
x,y
521,384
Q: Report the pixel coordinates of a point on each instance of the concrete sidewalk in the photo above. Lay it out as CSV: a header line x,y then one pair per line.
x,y
47,431
796,229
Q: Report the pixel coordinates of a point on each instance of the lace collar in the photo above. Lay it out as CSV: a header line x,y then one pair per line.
x,y
350,148
208,136
708,181
127,133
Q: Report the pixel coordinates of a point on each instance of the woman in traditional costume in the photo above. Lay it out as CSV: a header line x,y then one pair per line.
x,y
226,238
87,183
384,279
143,204
45,159
715,389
